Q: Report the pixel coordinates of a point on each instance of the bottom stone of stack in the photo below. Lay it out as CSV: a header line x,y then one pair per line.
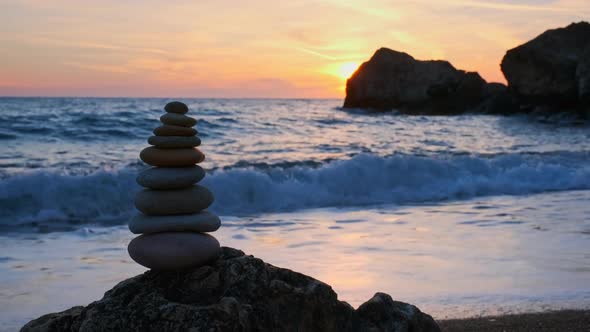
x,y
173,250
203,221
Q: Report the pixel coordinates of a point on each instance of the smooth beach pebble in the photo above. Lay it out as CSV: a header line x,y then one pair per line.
x,y
170,177
173,250
169,130
178,120
176,107
174,142
203,221
171,157
171,202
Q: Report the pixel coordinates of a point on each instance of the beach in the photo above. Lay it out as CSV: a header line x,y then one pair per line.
x,y
569,320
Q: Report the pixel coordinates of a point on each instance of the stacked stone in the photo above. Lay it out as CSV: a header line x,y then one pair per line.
x,y
173,220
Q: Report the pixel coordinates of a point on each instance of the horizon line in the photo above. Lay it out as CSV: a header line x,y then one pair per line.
x,y
159,97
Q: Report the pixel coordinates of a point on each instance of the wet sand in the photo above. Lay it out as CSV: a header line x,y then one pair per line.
x,y
563,321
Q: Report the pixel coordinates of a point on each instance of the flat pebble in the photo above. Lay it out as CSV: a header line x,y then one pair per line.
x,y
170,177
174,142
203,221
169,130
178,120
171,202
171,157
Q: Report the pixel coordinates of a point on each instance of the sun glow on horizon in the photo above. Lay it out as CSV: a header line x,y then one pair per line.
x,y
346,69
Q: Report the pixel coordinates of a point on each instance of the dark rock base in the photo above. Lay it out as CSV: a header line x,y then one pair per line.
x,y
234,293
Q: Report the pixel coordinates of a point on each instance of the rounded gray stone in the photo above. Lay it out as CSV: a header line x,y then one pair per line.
x,y
169,130
178,120
171,202
174,142
173,250
176,107
171,157
170,177
203,221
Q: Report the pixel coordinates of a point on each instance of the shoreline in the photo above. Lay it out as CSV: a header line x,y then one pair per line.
x,y
561,320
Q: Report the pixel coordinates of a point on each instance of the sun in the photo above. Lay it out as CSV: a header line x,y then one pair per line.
x,y
346,69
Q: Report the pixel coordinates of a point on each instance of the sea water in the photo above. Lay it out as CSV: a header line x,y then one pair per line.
x,y
463,216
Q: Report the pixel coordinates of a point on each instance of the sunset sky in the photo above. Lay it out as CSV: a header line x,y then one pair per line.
x,y
253,48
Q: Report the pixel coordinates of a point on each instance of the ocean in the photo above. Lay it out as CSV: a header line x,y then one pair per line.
x,y
462,215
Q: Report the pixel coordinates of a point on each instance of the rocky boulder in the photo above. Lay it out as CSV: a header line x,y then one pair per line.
x,y
553,69
395,80
234,293
498,100
583,78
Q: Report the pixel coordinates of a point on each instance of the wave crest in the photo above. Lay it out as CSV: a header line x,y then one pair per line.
x,y
43,197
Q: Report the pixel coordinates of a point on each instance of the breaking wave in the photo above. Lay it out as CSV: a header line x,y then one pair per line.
x,y
106,196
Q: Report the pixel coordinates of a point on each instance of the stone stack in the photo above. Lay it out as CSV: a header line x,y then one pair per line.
x,y
173,221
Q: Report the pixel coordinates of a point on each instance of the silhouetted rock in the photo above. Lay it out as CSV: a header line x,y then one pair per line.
x,y
395,80
234,293
583,76
498,100
552,70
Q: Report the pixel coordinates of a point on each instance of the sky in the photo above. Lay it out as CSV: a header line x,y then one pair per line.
x,y
250,48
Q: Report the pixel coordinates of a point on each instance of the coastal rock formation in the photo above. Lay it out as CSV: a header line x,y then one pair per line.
x,y
552,69
550,72
395,80
583,76
233,293
498,100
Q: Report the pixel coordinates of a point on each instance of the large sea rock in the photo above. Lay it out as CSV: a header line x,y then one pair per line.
x,y
395,80
234,293
553,69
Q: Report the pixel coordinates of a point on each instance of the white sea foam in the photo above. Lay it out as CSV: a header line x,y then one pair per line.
x,y
363,180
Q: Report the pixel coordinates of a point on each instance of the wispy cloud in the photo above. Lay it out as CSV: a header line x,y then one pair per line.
x,y
508,6
100,67
323,55
318,54
94,45
374,9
